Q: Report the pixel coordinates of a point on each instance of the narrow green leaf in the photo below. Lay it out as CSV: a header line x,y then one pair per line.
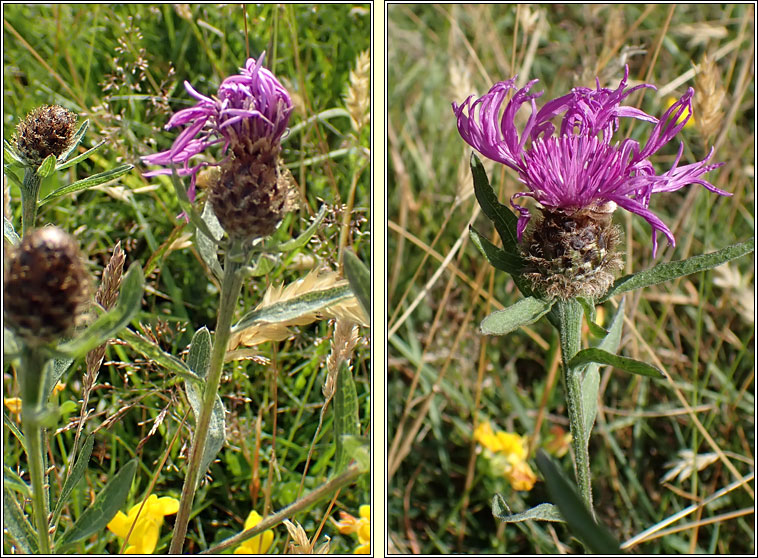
x,y
526,311
12,154
303,239
13,429
504,219
47,167
580,522
208,247
17,524
10,173
263,266
671,270
89,182
83,157
110,323
622,363
357,447
54,370
107,503
10,233
13,481
295,307
75,140
77,472
542,512
359,278
497,257
346,420
155,354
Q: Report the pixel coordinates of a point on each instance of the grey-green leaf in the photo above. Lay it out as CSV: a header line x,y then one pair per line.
x,y
622,363
208,247
497,257
113,321
504,219
541,512
54,370
17,525
84,156
89,182
574,511
107,503
359,278
75,140
10,233
77,472
524,312
47,167
295,307
306,235
346,420
671,270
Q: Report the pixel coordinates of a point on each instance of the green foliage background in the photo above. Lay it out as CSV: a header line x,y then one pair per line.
x,y
123,66
443,374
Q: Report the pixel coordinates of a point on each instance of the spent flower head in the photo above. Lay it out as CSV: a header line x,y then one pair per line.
x,y
581,169
147,525
46,130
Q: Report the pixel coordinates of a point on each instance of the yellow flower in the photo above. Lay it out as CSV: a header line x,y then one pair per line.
x,y
511,447
691,122
349,525
146,531
259,544
13,404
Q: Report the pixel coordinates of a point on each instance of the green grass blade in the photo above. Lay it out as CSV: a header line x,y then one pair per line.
x,y
524,312
346,419
77,472
89,182
579,519
107,503
671,270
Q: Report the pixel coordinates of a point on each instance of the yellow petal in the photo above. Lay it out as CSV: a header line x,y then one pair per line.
x,y
167,506
521,476
267,538
365,512
252,520
119,525
363,549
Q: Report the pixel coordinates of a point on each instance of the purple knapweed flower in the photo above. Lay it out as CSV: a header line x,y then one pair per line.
x,y
580,169
247,107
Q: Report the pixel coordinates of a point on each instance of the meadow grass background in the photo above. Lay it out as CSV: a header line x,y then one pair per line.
x,y
122,67
443,375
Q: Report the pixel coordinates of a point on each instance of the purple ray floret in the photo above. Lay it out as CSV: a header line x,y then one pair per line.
x,y
579,168
247,107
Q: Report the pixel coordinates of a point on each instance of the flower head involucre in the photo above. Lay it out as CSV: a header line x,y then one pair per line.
x,y
580,168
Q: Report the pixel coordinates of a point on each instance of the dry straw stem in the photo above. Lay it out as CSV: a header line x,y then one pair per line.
x,y
262,332
709,98
358,98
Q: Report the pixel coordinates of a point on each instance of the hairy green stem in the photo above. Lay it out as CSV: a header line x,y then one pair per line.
x,y
230,289
570,315
29,199
32,384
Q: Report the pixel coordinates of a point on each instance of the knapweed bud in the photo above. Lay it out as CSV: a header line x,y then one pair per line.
x,y
47,130
572,254
252,192
46,286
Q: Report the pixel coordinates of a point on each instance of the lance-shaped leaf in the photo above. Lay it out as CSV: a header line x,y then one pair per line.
x,y
524,312
89,182
83,157
198,360
580,522
542,512
10,233
75,140
208,247
346,420
359,278
294,307
671,270
622,363
497,257
54,370
17,525
77,472
12,154
102,510
155,354
113,321
47,167
504,219
301,240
